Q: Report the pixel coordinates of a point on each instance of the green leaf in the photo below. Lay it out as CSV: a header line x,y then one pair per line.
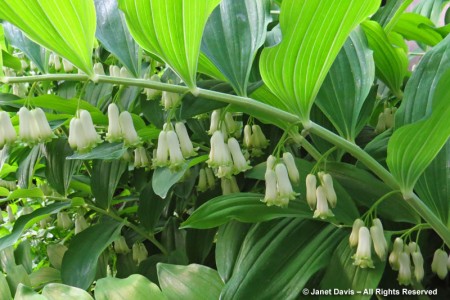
x,y
113,33
25,193
25,221
150,208
412,147
5,293
391,63
295,69
388,15
32,50
278,258
11,61
59,170
22,255
26,169
16,276
105,151
418,28
135,287
233,34
57,291
431,9
347,85
163,179
78,268
64,26
43,276
104,180
190,282
229,239
351,277
171,30
199,243
26,293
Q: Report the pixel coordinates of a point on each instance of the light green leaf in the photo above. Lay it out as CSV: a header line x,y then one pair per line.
x,y
135,287
234,32
278,258
57,291
418,28
25,221
163,179
11,61
104,180
295,69
43,276
105,151
64,26
4,288
27,293
113,33
347,85
171,30
27,167
431,9
25,193
192,282
79,269
388,15
391,62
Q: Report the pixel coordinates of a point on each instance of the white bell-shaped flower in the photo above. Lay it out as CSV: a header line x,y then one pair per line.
x,y
88,127
202,185
114,71
140,253
162,151
404,272
285,191
379,241
240,164
439,263
311,186
354,236
170,100
363,256
57,62
114,133
215,120
219,154
120,246
270,162
98,69
176,157
68,67
82,134
322,210
140,158
185,141
259,140
124,73
7,132
271,195
130,136
44,129
395,254
151,93
291,167
247,137
25,128
417,259
327,183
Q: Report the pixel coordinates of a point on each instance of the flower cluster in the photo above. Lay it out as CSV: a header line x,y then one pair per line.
x,y
229,185
82,134
363,238
255,140
121,127
140,158
400,260
33,126
278,177
440,263
319,197
385,119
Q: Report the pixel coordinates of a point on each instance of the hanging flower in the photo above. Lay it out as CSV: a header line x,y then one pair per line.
x,y
185,142
404,272
271,195
259,140
311,186
215,120
170,100
140,158
124,73
395,254
229,185
98,69
354,236
114,71
231,124
82,134
417,259
120,246
219,154
211,180
162,151
7,132
289,161
285,191
114,133
322,210
33,126
140,253
176,157
247,137
202,185
68,67
240,164
379,241
63,220
327,183
363,256
439,263
129,134
45,132
270,163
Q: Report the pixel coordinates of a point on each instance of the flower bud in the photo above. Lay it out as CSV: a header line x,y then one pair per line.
x,y
394,256
185,142
322,211
80,224
63,221
7,132
98,69
114,133
389,117
291,167
82,134
258,138
139,252
68,67
140,158
379,241
120,246
124,73
114,71
162,151
247,137
202,182
270,163
170,100
271,195
439,264
353,240
56,62
404,272
129,134
151,93
210,178
215,120
176,157
230,123
381,125
327,183
363,256
311,185
418,265
240,164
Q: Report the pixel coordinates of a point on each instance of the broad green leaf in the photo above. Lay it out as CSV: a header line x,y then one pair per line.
x,y
17,275
104,180
25,193
27,167
59,170
278,258
32,50
135,287
150,207
295,69
22,255
391,63
388,15
171,30
113,33
418,28
105,151
347,85
351,277
205,66
229,239
57,291
11,61
431,9
163,179
25,221
43,276
79,269
413,147
5,293
65,26
27,293
192,282
234,32
55,253
199,243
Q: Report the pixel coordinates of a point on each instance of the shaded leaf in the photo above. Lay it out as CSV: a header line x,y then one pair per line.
x,y
164,178
26,169
387,16
43,276
27,293
135,287
105,151
150,208
104,180
56,291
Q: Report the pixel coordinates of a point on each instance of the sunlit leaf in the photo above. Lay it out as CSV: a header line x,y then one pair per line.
x,y
135,287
